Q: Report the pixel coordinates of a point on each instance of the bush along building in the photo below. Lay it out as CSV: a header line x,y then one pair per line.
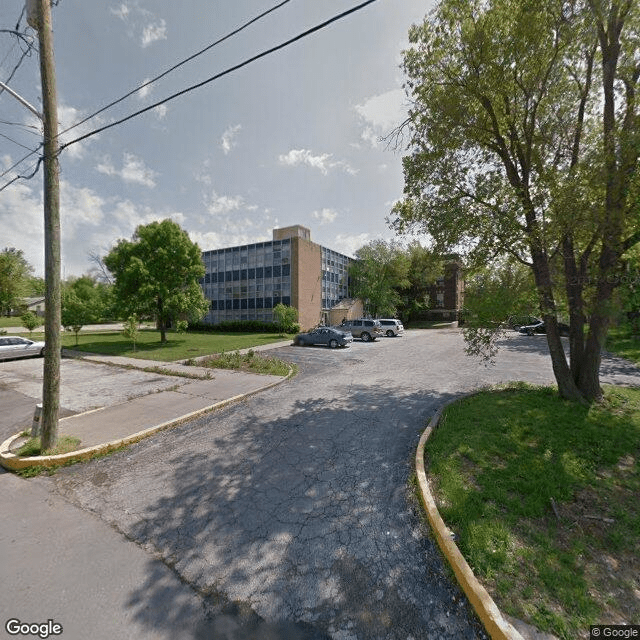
x,y
246,282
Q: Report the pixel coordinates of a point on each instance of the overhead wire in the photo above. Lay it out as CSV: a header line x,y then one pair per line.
x,y
178,65
217,76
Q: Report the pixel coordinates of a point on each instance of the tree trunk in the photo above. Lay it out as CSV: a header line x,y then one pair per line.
x,y
162,323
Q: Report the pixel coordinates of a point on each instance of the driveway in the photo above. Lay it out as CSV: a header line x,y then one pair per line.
x,y
289,514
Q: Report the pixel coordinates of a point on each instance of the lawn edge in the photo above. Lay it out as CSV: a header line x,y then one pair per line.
x,y
485,607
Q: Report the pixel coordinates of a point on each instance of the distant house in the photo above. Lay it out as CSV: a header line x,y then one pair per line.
x,y
446,296
30,304
346,309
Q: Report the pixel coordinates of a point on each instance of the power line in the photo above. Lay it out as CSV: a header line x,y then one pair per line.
x,y
176,66
23,177
217,76
18,143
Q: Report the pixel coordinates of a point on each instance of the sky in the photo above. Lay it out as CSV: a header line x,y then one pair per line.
x,y
293,138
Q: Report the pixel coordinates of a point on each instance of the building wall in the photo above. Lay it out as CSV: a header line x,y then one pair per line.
x,y
306,286
246,282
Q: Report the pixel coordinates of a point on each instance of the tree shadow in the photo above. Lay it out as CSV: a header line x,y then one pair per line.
x,y
301,526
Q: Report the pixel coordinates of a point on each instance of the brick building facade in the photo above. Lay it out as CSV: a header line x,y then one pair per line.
x,y
246,282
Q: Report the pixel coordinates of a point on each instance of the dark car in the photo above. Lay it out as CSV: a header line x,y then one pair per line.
x,y
516,322
324,335
538,327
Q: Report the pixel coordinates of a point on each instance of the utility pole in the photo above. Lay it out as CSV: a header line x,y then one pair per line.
x,y
39,17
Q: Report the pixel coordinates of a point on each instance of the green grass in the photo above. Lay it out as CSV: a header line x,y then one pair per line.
x,y
505,462
247,362
624,343
179,346
64,444
428,324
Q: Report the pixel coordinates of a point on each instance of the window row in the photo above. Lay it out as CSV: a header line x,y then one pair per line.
x,y
235,275
249,303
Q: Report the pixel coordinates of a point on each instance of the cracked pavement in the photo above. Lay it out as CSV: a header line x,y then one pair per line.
x,y
290,514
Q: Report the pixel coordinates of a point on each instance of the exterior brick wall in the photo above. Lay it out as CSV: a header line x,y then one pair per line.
x,y
306,284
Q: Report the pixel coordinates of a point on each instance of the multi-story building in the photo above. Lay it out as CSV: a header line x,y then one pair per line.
x,y
246,282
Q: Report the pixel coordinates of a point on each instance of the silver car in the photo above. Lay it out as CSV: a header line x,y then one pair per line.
x,y
391,327
17,347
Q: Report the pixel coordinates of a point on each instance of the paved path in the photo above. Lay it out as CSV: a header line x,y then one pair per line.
x,y
289,513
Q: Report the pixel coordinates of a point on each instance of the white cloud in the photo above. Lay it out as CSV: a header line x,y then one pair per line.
x,y
323,162
380,114
141,24
217,205
349,244
325,216
146,90
133,170
153,32
227,142
121,11
160,111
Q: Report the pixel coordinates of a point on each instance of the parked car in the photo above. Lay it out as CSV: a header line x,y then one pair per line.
x,y
364,328
329,336
17,347
391,327
516,322
538,327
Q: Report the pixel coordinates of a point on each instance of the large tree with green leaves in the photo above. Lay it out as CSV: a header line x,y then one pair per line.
x,y
157,273
15,279
377,275
524,137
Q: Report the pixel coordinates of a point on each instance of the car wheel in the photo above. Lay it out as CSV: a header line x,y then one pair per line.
x,y
42,352
365,337
333,344
390,333
530,332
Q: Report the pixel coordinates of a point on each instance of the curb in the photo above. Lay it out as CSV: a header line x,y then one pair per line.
x,y
12,462
490,616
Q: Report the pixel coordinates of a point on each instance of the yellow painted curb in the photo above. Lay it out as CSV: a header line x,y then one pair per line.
x,y
12,462
487,610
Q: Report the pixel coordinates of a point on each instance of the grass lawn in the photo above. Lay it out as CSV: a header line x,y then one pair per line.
x,y
179,346
544,498
623,343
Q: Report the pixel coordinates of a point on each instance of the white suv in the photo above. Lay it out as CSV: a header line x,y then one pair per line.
x,y
391,327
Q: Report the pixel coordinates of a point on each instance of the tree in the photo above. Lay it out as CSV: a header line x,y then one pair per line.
x,y
81,304
493,293
286,317
424,269
15,274
30,321
379,271
131,329
524,142
157,273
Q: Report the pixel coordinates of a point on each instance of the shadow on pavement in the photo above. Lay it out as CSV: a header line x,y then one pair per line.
x,y
306,519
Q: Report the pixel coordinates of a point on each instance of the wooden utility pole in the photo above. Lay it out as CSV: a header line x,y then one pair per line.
x,y
39,11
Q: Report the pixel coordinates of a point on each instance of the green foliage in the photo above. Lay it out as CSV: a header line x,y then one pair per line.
x,y
131,329
82,304
30,321
286,318
64,444
157,273
236,326
521,146
182,326
501,461
380,270
15,275
248,362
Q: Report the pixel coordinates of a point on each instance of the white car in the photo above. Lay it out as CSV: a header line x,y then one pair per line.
x,y
391,327
17,347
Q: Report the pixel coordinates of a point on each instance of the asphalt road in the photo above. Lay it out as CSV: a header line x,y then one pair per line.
x,y
289,515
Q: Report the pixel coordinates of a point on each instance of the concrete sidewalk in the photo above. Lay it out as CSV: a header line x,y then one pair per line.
x,y
112,426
